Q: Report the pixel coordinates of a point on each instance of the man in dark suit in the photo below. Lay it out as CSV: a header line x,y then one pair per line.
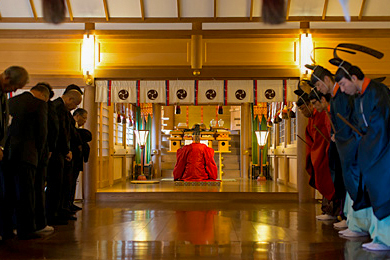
x,y
69,166
11,79
25,141
80,150
41,173
56,215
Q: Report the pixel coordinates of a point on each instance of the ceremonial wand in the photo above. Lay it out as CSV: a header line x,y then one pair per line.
x,y
319,131
349,124
330,120
303,140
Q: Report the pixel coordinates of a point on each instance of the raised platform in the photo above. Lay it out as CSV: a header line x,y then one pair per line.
x,y
240,190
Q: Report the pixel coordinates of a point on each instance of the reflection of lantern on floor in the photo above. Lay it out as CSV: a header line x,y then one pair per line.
x,y
261,140
142,136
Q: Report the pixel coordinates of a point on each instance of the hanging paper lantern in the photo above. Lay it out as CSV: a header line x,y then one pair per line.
x,y
118,119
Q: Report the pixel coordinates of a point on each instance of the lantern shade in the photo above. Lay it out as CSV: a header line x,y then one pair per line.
x,y
261,137
141,137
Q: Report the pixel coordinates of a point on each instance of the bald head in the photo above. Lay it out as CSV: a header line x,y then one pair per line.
x,y
13,78
72,99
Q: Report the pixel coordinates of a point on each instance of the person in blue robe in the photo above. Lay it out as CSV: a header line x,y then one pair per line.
x,y
371,116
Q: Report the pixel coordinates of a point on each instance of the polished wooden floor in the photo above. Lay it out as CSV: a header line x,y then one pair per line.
x,y
241,189
193,230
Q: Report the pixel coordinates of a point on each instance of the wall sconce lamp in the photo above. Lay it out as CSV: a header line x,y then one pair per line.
x,y
88,58
306,44
262,137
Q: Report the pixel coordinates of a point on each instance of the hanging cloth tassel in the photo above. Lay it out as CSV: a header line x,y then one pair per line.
x,y
177,109
220,110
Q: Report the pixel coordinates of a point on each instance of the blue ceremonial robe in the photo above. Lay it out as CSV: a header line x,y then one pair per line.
x,y
347,140
372,112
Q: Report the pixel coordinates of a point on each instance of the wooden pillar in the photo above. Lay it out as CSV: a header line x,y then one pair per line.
x,y
306,193
156,139
245,139
91,168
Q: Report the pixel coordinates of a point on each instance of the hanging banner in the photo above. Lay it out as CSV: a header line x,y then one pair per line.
x,y
239,91
202,92
181,91
210,92
153,92
123,91
101,91
292,85
269,90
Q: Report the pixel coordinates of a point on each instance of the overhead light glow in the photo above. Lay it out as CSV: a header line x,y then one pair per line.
x,y
88,54
306,49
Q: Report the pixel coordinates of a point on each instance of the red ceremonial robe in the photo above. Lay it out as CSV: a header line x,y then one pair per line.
x,y
317,160
195,162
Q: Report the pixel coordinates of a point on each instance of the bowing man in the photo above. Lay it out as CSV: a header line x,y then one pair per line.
x,y
372,117
24,147
358,222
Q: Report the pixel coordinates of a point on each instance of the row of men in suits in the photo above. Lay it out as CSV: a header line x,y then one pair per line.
x,y
42,145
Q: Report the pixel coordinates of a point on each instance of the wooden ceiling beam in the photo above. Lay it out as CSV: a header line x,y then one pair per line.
x,y
251,11
362,10
200,20
70,10
186,34
208,72
106,10
34,11
325,9
215,9
178,9
141,2
288,10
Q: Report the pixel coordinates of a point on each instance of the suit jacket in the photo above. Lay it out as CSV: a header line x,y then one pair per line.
x,y
52,135
3,117
64,127
28,130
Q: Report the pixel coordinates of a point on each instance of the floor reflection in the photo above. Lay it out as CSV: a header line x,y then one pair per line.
x,y
193,231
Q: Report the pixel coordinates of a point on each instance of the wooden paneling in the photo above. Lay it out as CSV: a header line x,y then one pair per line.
x,y
368,64
156,52
258,52
117,162
292,171
209,113
42,56
282,169
104,180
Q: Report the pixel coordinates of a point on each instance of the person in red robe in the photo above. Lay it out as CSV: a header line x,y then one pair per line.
x,y
318,136
195,162
317,139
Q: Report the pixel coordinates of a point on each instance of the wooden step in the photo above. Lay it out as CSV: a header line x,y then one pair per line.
x,y
168,157
166,173
231,166
168,165
230,174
